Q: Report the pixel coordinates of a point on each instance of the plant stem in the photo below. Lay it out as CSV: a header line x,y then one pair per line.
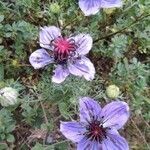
x,y
133,23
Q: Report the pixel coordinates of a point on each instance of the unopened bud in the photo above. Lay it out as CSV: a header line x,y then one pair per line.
x,y
55,8
112,91
8,96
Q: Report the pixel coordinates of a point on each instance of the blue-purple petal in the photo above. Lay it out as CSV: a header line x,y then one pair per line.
x,y
89,7
89,109
86,144
73,131
60,74
40,58
83,42
115,114
110,3
47,34
114,141
82,67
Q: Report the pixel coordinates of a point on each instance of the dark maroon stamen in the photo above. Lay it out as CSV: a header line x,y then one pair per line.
x,y
95,131
63,48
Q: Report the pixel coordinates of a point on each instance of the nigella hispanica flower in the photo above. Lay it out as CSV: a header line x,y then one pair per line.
x,y
67,52
91,7
97,129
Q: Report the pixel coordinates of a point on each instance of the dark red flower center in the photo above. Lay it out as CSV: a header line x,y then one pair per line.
x,y
96,131
63,48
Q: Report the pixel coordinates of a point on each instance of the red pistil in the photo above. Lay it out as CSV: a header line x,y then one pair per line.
x,y
63,48
96,131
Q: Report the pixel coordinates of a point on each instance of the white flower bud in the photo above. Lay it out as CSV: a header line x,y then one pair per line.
x,y
8,96
55,8
112,91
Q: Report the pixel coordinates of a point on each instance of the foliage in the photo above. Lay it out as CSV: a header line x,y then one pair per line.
x,y
7,125
133,78
120,39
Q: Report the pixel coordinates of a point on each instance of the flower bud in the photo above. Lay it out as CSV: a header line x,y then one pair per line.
x,y
8,96
112,91
55,8
15,63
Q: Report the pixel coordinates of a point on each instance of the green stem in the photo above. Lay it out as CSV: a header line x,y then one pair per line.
x,y
133,23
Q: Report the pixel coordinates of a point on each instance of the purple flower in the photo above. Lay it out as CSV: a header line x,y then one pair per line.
x,y
67,52
97,129
91,7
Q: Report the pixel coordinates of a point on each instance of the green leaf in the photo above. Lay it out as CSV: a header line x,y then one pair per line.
x,y
61,146
63,108
10,138
1,18
38,146
1,47
3,146
1,72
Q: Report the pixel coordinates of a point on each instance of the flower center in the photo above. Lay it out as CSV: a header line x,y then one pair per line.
x,y
96,131
63,48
